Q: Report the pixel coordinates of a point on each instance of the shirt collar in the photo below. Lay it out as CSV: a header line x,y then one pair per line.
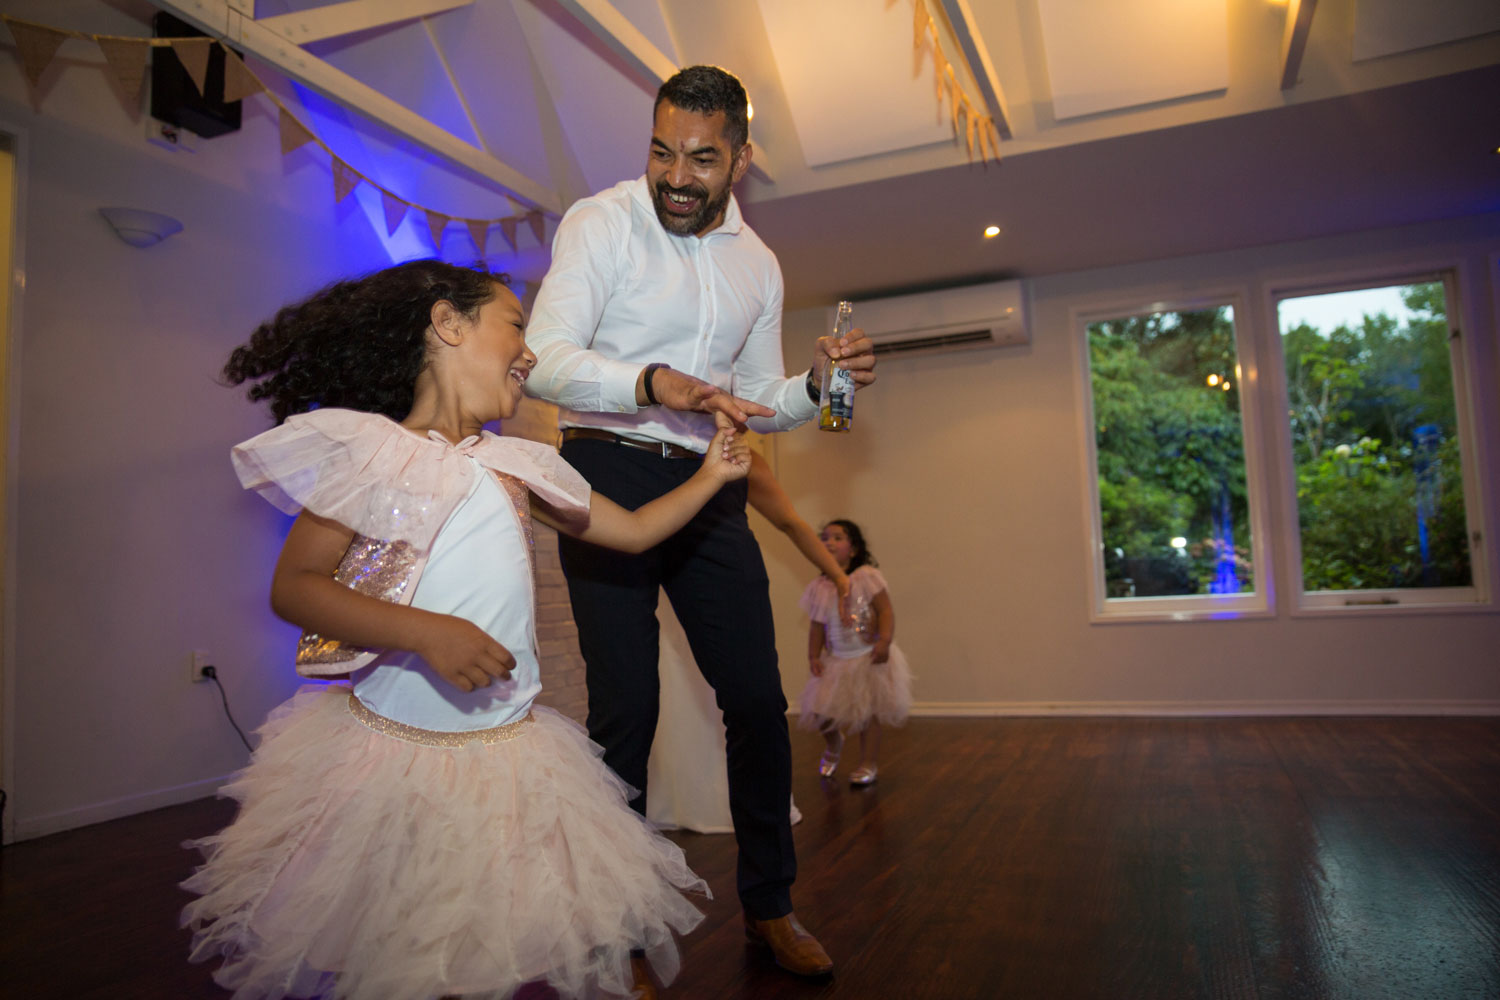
x,y
733,223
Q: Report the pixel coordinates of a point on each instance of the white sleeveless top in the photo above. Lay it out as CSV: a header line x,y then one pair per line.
x,y
480,570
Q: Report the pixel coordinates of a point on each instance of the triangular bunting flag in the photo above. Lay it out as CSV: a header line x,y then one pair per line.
x,y
239,82
127,60
972,122
436,223
953,97
919,21
395,211
508,230
345,178
479,232
293,133
538,223
38,44
193,54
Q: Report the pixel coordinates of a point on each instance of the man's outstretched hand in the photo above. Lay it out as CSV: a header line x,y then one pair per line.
x,y
679,391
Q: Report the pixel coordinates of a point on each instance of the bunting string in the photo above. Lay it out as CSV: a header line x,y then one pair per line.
x,y
974,126
125,56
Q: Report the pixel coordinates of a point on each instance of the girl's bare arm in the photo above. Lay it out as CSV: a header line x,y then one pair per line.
x,y
304,592
815,639
885,626
767,496
610,525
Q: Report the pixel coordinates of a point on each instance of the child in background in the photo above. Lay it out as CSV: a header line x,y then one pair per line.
x,y
860,679
426,831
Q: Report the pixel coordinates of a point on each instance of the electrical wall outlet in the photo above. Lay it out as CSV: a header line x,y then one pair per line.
x,y
169,136
197,660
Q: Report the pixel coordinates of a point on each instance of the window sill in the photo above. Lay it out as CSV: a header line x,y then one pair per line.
x,y
1137,610
1333,604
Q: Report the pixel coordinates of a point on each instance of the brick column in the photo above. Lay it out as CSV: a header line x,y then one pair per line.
x,y
563,686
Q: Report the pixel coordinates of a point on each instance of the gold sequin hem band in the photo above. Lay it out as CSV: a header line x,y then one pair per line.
x,y
435,737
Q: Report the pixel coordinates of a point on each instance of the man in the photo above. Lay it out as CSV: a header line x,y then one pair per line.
x,y
661,314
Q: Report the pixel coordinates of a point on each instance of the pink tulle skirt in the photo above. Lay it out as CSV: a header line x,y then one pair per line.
x,y
365,866
854,692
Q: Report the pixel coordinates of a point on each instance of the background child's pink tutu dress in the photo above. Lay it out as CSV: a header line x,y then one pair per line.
x,y
398,839
853,690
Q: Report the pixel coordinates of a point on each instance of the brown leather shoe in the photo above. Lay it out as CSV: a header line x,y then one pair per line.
x,y
641,986
794,949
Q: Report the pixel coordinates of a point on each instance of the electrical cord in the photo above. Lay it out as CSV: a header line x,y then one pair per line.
x,y
213,675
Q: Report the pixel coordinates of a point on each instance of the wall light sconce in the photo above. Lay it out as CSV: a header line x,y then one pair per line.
x,y
140,228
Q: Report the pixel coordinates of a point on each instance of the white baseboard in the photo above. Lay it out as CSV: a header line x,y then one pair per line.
x,y
1202,708
990,709
40,826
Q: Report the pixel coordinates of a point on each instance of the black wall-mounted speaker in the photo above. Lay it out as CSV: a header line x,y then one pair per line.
x,y
175,99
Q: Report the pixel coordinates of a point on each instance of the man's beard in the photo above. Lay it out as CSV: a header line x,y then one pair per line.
x,y
687,225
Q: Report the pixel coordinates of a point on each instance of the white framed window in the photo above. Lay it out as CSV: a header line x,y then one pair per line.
x,y
1177,511
1376,446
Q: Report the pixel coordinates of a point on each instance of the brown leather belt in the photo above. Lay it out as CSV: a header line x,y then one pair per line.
x,y
655,447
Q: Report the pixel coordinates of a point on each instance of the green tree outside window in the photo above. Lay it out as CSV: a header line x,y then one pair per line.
x,y
1374,430
1171,458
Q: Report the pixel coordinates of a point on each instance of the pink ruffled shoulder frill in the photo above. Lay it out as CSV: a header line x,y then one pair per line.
x,y
379,479
821,598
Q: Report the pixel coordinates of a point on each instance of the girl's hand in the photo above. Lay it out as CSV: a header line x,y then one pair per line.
x,y
815,664
881,652
464,655
728,455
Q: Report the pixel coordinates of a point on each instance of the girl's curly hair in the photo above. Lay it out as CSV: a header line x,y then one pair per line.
x,y
358,344
859,553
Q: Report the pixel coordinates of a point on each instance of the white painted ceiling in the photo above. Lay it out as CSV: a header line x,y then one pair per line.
x,y
857,198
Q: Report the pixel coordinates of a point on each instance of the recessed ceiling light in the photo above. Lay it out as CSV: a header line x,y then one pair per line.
x,y
990,232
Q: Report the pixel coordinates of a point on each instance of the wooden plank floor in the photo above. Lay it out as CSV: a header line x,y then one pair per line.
x,y
1350,859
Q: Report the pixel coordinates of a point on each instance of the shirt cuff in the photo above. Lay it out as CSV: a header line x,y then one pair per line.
x,y
795,405
617,385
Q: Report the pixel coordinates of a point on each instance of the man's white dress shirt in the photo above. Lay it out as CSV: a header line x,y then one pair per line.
x,y
623,292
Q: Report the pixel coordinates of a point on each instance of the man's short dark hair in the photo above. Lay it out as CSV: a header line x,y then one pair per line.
x,y
705,90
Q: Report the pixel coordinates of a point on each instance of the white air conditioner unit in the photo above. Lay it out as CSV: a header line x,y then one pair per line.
x,y
954,319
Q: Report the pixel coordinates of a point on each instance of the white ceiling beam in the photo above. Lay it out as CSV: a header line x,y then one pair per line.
x,y
966,31
1299,15
605,22
760,163
318,23
226,19
622,38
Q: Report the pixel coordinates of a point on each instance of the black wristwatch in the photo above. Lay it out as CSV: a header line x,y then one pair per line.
x,y
646,380
814,393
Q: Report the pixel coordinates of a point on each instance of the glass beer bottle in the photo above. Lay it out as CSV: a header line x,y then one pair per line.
x,y
836,392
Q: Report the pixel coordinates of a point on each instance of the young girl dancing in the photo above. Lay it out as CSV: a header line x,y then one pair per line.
x,y
426,831
859,675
